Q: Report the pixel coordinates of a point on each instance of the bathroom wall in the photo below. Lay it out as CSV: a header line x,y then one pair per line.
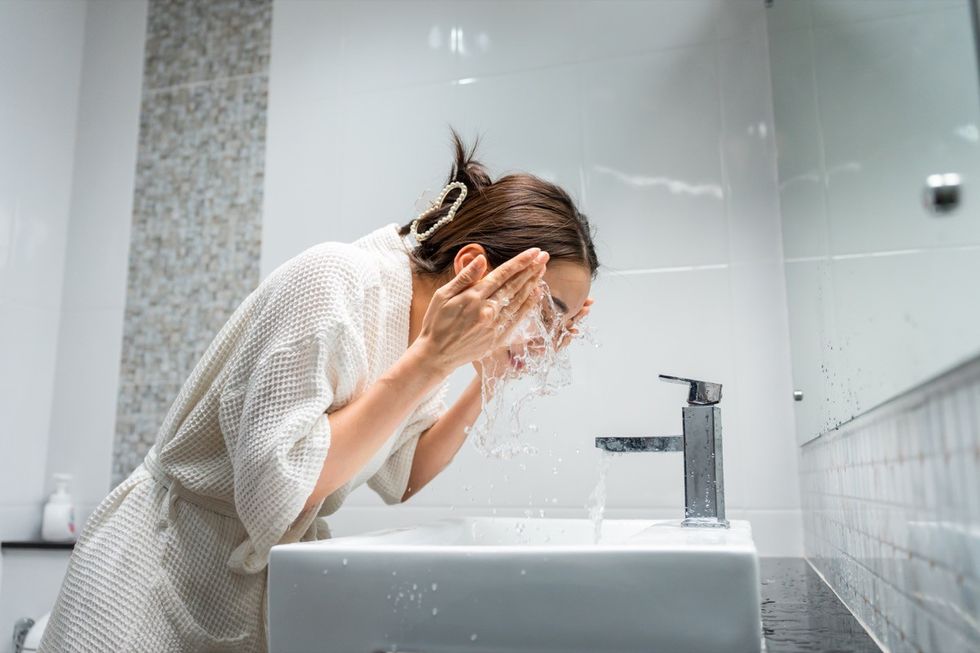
x,y
656,116
869,99
891,507
67,166
196,227
36,161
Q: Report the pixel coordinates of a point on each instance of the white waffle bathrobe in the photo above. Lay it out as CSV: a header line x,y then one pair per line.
x,y
174,559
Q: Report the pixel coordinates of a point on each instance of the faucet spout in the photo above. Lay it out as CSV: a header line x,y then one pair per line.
x,y
627,445
704,485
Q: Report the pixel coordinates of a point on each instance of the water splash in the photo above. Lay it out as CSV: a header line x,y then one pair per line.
x,y
597,500
533,366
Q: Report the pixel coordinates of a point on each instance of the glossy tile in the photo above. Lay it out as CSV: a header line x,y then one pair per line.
x,y
802,181
621,27
911,303
828,12
748,150
28,347
303,178
391,43
541,128
406,128
817,372
497,38
877,158
307,52
891,517
654,183
85,387
788,15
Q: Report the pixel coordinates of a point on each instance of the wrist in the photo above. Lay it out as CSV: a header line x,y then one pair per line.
x,y
428,359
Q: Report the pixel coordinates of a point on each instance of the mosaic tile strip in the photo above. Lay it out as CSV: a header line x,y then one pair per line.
x,y
891,504
196,234
202,40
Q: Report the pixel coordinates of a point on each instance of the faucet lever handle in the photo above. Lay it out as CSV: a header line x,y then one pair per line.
x,y
701,393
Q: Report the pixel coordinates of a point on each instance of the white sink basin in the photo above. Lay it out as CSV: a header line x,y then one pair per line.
x,y
530,585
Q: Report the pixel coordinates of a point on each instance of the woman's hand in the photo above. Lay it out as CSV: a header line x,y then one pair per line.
x,y
494,365
572,329
475,314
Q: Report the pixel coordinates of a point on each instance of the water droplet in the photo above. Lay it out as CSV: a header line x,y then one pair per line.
x,y
435,611
523,572
326,571
415,586
473,637
344,561
435,586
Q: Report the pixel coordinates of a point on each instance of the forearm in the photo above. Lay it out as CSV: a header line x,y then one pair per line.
x,y
359,429
438,445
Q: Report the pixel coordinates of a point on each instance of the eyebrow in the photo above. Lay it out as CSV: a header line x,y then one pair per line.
x,y
560,304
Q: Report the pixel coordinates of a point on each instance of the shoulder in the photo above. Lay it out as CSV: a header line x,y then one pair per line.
x,y
330,274
319,289
329,263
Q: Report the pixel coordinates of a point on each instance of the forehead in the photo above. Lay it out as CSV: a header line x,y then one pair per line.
x,y
570,282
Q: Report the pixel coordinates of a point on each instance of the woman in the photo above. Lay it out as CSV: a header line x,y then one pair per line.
x,y
330,374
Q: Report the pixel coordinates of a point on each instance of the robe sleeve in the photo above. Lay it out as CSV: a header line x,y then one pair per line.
x,y
275,423
391,479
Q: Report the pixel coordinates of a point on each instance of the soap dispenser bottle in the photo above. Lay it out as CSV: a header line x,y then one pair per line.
x,y
58,522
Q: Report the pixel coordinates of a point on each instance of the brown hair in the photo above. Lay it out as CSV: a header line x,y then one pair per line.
x,y
506,217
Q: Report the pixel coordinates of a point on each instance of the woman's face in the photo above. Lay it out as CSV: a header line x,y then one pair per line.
x,y
567,289
568,286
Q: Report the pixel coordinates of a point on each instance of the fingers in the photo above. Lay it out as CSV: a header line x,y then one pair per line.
x,y
499,276
516,290
466,277
582,311
530,301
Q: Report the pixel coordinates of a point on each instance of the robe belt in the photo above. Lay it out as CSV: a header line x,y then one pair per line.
x,y
175,490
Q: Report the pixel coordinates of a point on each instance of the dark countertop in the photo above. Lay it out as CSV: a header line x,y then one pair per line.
x,y
801,614
36,545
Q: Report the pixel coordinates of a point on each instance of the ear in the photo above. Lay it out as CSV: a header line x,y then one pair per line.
x,y
466,254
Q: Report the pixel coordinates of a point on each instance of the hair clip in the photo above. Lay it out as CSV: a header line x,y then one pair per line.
x,y
434,206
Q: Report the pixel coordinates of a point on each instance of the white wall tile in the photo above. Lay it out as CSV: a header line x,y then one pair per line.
x,y
312,68
97,251
395,139
640,124
505,37
38,143
748,149
889,515
914,303
802,182
815,352
828,12
28,348
878,157
622,27
391,43
654,183
304,178
788,15
545,135
84,414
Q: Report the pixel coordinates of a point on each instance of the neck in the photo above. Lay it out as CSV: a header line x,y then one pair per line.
x,y
423,287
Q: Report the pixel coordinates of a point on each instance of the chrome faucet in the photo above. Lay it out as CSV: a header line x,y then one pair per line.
x,y
704,487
